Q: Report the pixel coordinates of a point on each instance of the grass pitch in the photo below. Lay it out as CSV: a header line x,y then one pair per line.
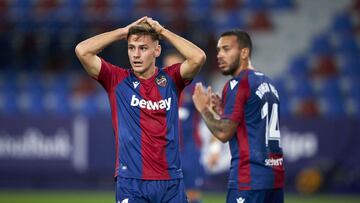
x,y
36,196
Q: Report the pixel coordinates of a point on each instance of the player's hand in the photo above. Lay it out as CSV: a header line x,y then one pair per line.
x,y
215,103
155,25
138,21
201,97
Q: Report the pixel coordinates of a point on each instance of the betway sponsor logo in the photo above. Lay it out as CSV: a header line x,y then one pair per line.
x,y
151,105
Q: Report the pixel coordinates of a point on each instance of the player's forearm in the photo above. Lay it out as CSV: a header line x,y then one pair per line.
x,y
96,44
194,56
221,128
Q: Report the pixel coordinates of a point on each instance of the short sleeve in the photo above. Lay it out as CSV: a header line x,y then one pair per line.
x,y
110,75
234,99
174,72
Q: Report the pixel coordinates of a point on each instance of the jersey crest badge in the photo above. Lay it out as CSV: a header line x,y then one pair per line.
x,y
233,83
161,81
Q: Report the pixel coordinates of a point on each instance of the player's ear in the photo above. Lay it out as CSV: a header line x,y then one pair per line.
x,y
245,53
157,50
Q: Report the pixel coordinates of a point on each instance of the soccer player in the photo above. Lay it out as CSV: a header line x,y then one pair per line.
x,y
144,106
250,122
190,140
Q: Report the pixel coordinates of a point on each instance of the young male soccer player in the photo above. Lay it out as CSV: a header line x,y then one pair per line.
x,y
250,122
190,140
144,106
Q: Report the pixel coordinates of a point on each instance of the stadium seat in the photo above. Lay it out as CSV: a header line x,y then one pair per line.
x,y
20,10
84,105
226,20
349,64
324,66
260,21
307,108
254,5
8,106
342,23
284,96
57,103
321,45
330,96
121,9
199,9
280,4
302,88
346,43
299,66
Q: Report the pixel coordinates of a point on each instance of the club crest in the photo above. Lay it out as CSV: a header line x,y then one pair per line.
x,y
161,81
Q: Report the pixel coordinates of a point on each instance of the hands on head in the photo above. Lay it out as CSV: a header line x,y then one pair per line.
x,y
151,22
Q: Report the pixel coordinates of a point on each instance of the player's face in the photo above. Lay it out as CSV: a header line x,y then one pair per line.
x,y
228,55
142,51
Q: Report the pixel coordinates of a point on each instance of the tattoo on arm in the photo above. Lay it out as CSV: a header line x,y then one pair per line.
x,y
219,127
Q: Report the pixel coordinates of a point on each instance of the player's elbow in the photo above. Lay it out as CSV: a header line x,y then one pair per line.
x,y
198,59
80,50
223,136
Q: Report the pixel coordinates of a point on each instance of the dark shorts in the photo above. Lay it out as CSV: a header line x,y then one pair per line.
x,y
255,196
130,190
193,172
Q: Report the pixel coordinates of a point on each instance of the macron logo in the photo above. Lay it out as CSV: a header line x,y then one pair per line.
x,y
151,105
233,83
136,83
240,200
124,200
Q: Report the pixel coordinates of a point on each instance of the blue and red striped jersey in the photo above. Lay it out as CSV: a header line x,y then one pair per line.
x,y
252,100
145,121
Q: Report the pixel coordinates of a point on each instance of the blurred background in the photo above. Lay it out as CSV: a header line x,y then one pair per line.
x,y
55,124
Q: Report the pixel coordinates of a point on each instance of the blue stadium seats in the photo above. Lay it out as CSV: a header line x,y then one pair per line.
x,y
57,103
70,13
349,64
255,5
329,87
121,9
284,96
342,23
84,105
302,88
343,49
280,4
346,43
8,104
331,97
199,8
321,45
299,66
227,20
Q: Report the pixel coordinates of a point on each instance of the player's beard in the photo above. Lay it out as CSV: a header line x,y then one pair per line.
x,y
232,67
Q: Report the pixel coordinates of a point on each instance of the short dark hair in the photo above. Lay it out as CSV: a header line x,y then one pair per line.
x,y
243,38
143,29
